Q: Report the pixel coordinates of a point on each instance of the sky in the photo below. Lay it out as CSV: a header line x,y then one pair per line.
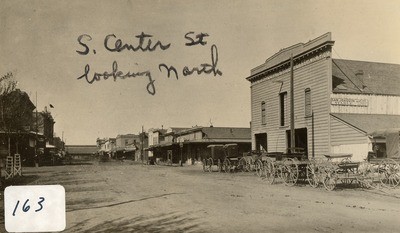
x,y
39,44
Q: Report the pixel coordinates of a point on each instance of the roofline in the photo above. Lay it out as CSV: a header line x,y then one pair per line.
x,y
200,128
363,93
81,145
328,41
340,59
341,120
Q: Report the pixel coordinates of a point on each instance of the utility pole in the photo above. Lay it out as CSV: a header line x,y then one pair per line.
x,y
36,133
292,133
142,144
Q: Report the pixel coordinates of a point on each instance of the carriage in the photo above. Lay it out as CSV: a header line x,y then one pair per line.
x,y
232,157
216,158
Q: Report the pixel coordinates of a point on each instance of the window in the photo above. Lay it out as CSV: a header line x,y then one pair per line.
x,y
263,120
282,100
307,98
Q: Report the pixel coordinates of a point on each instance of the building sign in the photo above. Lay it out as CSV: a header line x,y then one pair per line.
x,y
349,102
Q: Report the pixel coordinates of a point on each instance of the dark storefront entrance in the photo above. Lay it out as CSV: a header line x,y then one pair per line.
x,y
261,142
300,139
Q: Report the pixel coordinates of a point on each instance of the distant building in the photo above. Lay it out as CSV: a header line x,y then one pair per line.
x,y
124,146
81,152
336,102
191,143
156,136
106,147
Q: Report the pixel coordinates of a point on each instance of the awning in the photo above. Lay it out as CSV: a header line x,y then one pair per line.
x,y
369,123
384,132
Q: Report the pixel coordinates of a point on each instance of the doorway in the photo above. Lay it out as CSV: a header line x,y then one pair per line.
x,y
300,139
261,142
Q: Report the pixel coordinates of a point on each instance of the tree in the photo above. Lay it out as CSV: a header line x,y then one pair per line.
x,y
15,111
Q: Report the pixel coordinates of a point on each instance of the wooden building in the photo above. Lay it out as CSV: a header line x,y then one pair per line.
x,y
81,152
336,102
190,144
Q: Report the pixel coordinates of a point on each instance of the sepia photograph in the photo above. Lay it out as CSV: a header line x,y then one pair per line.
x,y
199,116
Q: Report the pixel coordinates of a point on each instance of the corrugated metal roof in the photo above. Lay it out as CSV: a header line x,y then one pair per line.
x,y
350,76
369,122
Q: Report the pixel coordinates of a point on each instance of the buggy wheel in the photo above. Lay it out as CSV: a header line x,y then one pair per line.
x,y
249,164
219,166
210,164
289,172
227,165
259,168
389,173
242,164
330,178
312,174
269,171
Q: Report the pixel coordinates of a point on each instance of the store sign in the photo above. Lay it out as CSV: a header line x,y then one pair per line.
x,y
349,102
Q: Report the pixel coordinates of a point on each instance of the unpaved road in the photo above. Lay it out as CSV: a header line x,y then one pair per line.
x,y
127,197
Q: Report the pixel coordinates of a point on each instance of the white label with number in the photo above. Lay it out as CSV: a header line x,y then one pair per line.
x,y
34,208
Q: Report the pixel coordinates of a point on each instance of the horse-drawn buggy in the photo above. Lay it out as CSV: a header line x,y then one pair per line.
x,y
226,158
215,158
234,161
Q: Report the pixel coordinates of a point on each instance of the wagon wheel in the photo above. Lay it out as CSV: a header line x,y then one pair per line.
x,y
346,180
204,165
249,164
389,173
227,165
219,166
312,174
210,164
289,172
366,175
242,164
259,167
330,177
269,171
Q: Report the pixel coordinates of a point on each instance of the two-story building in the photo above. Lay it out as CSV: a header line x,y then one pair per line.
x,y
126,145
336,102
155,137
106,147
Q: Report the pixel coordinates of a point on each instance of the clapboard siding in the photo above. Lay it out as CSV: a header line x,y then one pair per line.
x,y
377,104
342,134
314,75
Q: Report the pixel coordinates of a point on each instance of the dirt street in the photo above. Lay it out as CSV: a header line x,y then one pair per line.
x,y
127,197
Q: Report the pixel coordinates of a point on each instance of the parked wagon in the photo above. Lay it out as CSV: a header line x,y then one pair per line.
x,y
369,174
234,161
289,167
338,167
215,158
387,167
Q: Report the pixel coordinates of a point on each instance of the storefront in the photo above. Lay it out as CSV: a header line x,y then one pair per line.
x,y
335,103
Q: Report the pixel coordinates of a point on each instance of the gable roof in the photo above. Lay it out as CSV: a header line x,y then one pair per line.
x,y
350,76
